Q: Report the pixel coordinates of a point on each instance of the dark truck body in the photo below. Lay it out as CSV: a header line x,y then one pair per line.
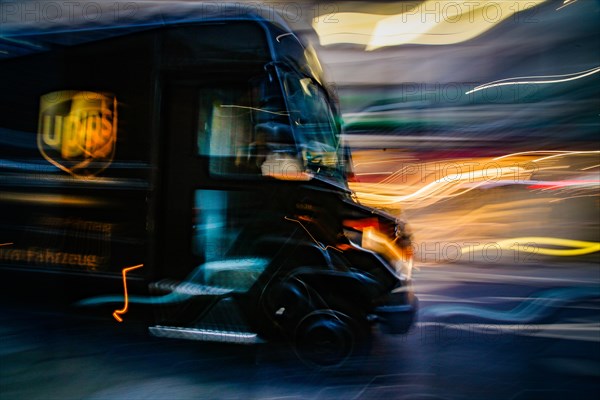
x,y
149,145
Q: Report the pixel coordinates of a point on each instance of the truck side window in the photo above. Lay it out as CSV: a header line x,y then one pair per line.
x,y
245,130
226,130
230,138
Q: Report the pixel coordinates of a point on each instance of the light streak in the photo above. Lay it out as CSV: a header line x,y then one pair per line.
x,y
593,166
566,3
40,198
371,238
285,113
529,245
376,173
432,22
436,200
117,313
6,244
375,162
569,331
567,153
449,186
320,245
572,197
502,82
283,35
528,152
421,184
535,308
561,184
394,175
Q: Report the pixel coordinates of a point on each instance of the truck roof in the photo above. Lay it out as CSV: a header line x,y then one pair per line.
x,y
27,30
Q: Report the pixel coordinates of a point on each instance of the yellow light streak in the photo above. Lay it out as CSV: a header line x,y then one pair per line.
x,y
6,244
593,166
449,186
503,82
528,152
421,184
40,198
377,162
529,245
573,197
486,220
567,153
377,173
117,313
431,22
445,217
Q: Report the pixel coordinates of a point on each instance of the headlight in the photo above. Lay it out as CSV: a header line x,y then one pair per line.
x,y
395,248
400,257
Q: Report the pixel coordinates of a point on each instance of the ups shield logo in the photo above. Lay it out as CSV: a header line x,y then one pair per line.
x,y
78,131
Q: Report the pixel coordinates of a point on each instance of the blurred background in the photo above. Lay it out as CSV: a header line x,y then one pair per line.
x,y
478,120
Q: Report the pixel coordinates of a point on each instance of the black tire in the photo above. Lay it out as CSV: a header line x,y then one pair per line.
x,y
281,306
329,339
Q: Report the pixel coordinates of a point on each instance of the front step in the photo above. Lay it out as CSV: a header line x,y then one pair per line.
x,y
190,288
208,335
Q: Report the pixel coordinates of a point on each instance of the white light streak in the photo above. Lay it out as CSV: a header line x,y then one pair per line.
x,y
255,109
565,78
566,3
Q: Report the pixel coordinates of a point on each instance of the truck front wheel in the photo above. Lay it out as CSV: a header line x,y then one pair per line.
x,y
328,339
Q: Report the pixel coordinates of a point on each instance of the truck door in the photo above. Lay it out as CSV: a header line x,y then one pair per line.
x,y
213,189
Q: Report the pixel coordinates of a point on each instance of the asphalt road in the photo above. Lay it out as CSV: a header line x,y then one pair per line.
x,y
484,332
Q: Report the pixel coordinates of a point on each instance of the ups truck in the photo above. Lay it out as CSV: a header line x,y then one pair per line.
x,y
191,166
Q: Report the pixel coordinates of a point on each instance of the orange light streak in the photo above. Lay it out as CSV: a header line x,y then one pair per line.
x,y
312,237
117,313
449,186
420,184
372,237
511,196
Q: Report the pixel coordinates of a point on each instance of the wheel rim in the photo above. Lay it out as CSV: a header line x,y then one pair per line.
x,y
325,339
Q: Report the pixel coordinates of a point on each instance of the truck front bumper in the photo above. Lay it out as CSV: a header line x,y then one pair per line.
x,y
397,314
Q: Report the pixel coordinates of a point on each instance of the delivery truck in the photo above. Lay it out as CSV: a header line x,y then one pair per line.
x,y
192,166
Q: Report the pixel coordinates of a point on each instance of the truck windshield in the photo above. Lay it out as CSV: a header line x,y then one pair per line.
x,y
314,127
